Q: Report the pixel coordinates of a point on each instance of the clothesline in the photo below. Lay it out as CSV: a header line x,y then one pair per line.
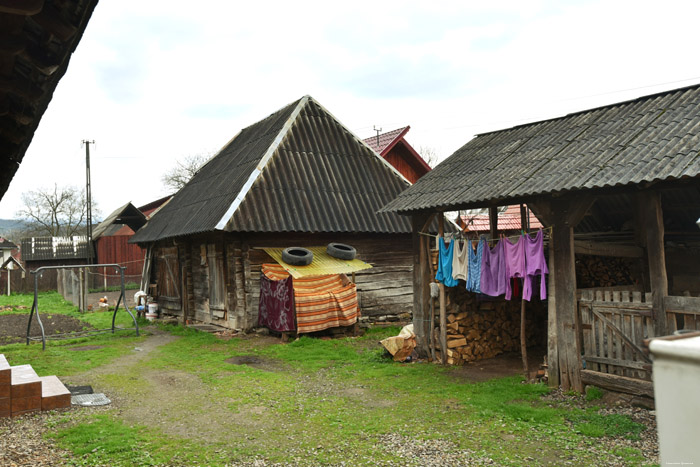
x,y
544,229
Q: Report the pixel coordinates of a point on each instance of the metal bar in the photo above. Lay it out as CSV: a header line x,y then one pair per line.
x,y
35,309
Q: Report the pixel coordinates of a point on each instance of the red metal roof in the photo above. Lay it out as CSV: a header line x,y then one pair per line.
x,y
507,220
383,143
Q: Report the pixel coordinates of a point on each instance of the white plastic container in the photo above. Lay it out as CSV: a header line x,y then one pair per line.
x,y
153,309
676,385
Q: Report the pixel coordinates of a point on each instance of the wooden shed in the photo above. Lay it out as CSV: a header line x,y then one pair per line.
x,y
393,147
620,181
296,178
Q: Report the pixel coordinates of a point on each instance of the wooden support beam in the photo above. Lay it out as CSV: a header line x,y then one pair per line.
x,y
584,247
443,306
649,205
566,213
493,221
552,342
421,291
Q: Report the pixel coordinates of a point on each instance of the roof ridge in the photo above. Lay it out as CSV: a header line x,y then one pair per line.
x,y
262,163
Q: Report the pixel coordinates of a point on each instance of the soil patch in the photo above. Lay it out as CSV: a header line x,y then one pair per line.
x,y
504,365
13,328
254,361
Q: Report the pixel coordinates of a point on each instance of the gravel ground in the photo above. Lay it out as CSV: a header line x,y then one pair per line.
x,y
22,442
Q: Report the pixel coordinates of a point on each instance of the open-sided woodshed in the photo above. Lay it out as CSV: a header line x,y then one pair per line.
x,y
620,181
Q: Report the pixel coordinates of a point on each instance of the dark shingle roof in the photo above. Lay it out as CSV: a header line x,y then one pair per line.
x,y
652,138
125,215
298,170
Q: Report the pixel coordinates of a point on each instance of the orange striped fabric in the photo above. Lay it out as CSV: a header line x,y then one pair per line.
x,y
321,302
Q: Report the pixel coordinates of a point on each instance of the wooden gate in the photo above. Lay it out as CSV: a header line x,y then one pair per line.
x,y
611,328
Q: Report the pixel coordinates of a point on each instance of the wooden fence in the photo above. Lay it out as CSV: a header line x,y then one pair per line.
x,y
682,313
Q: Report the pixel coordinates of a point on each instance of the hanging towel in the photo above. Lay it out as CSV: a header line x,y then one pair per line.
x,y
444,270
516,267
536,262
460,260
474,277
493,270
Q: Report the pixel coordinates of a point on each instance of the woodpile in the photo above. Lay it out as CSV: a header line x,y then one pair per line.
x,y
604,271
478,329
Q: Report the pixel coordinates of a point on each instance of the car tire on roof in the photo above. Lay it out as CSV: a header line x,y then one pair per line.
x,y
341,251
297,256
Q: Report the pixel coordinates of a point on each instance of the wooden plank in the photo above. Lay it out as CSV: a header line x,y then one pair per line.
x,y
618,362
607,249
633,386
600,332
552,342
628,329
588,334
686,305
618,340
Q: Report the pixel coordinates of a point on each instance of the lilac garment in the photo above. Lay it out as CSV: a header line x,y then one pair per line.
x,y
516,267
536,263
474,278
493,270
444,270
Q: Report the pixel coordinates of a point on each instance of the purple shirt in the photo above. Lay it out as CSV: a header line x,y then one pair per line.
x,y
516,267
493,270
536,263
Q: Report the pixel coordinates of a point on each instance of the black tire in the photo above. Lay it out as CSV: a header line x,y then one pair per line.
x,y
341,251
297,256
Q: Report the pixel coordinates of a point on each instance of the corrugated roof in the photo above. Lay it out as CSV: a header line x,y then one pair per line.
x,y
125,215
648,139
298,170
383,141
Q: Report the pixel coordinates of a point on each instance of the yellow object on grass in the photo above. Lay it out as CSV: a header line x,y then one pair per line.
x,y
323,263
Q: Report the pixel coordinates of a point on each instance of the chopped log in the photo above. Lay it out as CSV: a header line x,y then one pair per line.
x,y
452,343
618,383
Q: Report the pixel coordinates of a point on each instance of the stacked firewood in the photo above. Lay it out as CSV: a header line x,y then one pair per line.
x,y
603,271
478,329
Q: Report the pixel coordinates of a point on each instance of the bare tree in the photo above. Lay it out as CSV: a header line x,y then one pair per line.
x,y
429,155
56,212
184,170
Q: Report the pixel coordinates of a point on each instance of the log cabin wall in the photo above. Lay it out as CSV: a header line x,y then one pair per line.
x,y
385,290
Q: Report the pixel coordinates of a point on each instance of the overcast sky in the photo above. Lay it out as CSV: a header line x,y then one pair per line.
x,y
155,81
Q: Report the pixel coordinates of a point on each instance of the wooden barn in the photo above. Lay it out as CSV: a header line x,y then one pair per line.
x,y
111,238
393,147
620,183
295,178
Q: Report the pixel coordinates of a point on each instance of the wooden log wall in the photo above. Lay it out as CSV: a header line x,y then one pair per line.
x,y
385,291
478,329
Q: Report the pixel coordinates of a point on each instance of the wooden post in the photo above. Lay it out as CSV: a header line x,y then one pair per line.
x,y
443,311
81,301
421,291
8,282
649,203
523,336
493,223
566,213
431,272
104,276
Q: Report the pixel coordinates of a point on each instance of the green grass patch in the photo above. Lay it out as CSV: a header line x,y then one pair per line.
x,y
593,393
591,423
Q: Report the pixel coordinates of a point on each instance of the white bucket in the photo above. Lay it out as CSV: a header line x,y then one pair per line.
x,y
153,308
151,316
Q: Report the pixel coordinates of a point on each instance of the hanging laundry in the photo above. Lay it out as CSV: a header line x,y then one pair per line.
x,y
460,260
516,266
474,276
493,270
536,262
444,270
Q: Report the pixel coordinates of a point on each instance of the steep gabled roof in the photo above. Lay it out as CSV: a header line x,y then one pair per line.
x,y
383,143
648,139
125,215
298,170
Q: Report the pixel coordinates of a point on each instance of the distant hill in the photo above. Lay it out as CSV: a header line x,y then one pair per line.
x,y
8,226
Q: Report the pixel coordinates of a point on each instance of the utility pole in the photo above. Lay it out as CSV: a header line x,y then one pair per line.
x,y
88,196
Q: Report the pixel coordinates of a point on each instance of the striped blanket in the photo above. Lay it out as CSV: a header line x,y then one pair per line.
x,y
321,302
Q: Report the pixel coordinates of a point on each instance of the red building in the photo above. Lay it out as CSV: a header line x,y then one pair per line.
x,y
393,147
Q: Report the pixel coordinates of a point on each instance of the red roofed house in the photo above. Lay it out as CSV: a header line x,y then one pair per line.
x,y
395,149
508,221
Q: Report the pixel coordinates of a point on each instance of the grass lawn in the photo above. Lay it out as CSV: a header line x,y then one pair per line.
x,y
188,398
